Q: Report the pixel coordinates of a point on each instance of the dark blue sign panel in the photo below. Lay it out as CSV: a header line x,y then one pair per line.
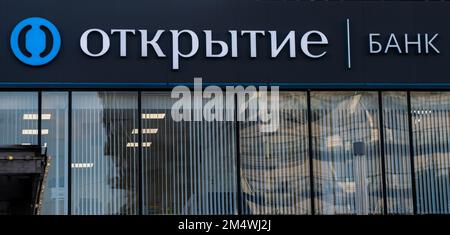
x,y
161,43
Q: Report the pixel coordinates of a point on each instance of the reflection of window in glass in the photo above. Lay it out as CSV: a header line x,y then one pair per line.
x,y
346,153
397,153
189,167
430,125
18,118
274,161
55,137
104,153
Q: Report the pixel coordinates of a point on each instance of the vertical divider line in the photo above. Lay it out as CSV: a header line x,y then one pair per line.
x,y
349,59
238,157
69,155
141,160
411,153
310,152
382,149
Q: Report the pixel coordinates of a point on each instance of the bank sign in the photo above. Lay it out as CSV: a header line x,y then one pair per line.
x,y
163,43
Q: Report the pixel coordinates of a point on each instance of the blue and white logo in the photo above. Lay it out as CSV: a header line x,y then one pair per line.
x,y
35,41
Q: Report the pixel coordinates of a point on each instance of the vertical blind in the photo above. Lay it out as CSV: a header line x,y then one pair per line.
x,y
346,153
55,137
431,119
188,167
397,153
104,153
18,118
274,161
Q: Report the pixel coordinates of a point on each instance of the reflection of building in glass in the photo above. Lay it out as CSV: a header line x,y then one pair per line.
x,y
102,130
190,167
346,182
274,164
372,153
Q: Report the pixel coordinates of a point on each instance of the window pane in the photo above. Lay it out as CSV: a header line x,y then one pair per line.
x,y
431,118
274,160
55,137
18,118
104,153
397,155
347,159
189,166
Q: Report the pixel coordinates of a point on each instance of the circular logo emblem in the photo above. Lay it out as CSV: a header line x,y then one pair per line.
x,y
35,41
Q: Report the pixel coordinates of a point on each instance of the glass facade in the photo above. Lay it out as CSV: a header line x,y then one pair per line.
x,y
333,152
104,153
399,192
430,127
274,161
18,118
346,153
188,167
55,136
